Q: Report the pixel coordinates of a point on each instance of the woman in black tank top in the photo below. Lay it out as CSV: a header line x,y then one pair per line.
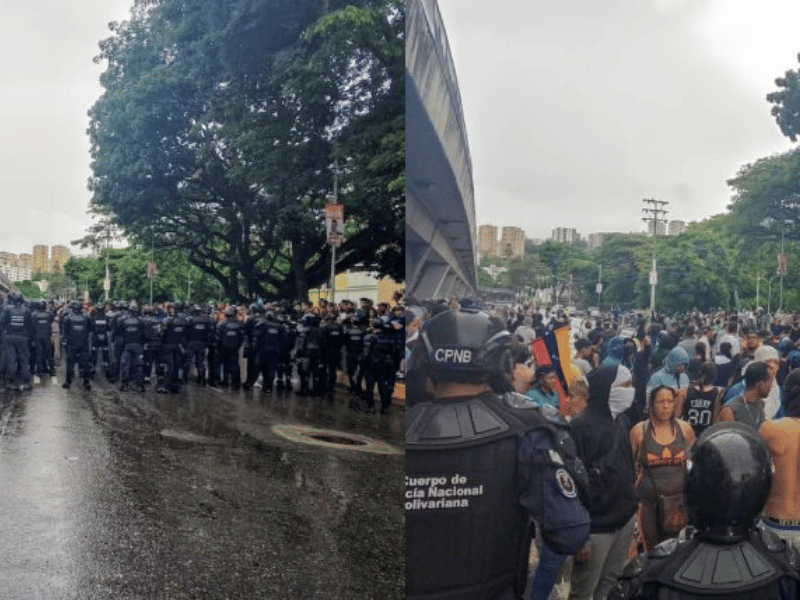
x,y
660,446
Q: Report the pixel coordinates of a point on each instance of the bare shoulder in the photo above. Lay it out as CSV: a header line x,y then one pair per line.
x,y
776,433
637,432
726,414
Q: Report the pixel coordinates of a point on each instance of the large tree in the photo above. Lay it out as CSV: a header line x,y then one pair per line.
x,y
786,103
766,199
221,126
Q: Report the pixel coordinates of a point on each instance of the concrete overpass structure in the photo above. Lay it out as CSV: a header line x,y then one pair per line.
x,y
440,206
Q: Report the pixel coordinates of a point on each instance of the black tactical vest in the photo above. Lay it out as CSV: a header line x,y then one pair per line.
x,y
272,335
466,532
755,568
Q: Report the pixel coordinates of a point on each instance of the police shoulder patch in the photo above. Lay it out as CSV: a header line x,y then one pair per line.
x,y
566,484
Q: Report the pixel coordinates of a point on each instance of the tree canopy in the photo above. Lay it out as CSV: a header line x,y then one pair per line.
x,y
221,128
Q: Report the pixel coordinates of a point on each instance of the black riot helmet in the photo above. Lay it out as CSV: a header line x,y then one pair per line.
x,y
728,479
465,345
76,306
230,311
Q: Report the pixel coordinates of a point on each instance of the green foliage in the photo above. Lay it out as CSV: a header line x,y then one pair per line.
x,y
29,289
766,200
177,279
786,103
220,128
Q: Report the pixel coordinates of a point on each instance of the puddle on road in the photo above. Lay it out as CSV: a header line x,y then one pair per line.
x,y
334,439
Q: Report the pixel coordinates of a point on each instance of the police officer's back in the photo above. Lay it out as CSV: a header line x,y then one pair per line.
x,y
725,554
479,464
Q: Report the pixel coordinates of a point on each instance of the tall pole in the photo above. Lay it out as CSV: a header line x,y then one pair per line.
x,y
655,213
782,263
107,280
150,276
333,246
599,284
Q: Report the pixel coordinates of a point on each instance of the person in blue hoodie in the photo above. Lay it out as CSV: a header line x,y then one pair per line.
x,y
672,374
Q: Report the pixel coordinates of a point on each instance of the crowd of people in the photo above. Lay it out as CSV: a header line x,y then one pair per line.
x,y
285,346
639,396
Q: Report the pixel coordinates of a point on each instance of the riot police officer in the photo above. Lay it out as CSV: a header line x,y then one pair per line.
x,y
724,554
152,346
131,331
284,367
332,342
230,336
271,344
253,330
380,357
116,344
76,333
199,333
354,346
18,329
308,352
100,340
42,359
173,344
479,464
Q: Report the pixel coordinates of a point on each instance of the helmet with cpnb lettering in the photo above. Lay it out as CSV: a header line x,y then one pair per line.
x,y
728,478
465,345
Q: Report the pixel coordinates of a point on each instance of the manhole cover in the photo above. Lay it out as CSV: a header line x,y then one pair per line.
x,y
333,439
336,439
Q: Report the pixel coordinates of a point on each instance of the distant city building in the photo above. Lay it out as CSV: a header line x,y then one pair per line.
x,y
595,240
14,272
60,255
25,261
512,242
41,258
661,229
487,240
565,235
676,227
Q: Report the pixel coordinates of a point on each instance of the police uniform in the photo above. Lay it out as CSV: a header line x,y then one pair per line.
x,y
76,331
230,335
200,332
132,334
308,352
271,343
18,328
173,342
42,355
284,367
478,469
100,340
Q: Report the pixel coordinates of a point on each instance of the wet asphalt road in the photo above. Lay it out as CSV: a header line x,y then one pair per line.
x,y
107,494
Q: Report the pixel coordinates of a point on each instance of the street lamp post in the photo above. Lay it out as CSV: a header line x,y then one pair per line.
x,y
769,293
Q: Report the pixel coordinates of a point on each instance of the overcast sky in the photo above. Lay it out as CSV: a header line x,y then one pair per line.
x,y
578,110
48,82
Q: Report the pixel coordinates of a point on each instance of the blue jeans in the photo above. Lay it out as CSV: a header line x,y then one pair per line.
x,y
546,573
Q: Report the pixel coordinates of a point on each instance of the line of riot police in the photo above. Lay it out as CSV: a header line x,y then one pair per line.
x,y
134,346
